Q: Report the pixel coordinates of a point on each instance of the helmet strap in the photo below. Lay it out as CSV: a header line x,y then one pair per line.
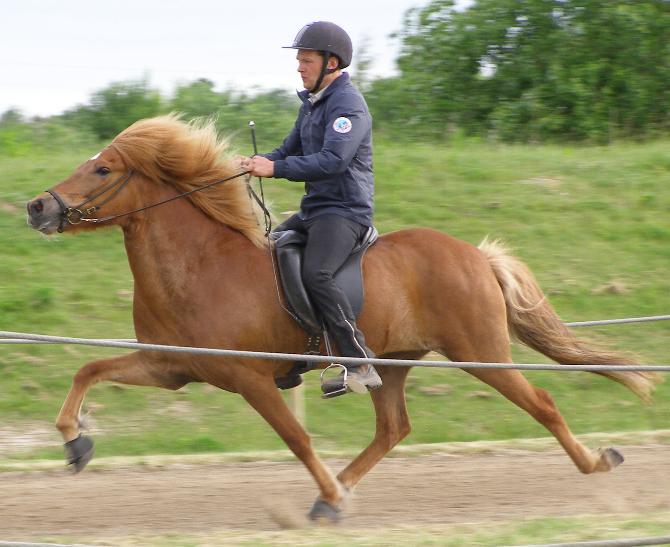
x,y
324,70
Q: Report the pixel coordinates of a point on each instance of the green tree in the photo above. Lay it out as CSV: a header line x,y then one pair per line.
x,y
198,99
12,116
362,64
540,69
119,105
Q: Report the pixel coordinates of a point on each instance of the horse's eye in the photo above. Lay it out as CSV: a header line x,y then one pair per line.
x,y
102,171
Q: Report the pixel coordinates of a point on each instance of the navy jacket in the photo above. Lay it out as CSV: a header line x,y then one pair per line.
x,y
330,149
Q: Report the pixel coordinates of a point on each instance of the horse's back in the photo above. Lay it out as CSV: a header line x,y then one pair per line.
x,y
426,238
421,282
428,253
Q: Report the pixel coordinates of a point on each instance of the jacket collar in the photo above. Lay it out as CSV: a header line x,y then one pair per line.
x,y
341,80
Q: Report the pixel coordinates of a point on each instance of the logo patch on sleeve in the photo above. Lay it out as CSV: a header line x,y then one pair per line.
x,y
342,125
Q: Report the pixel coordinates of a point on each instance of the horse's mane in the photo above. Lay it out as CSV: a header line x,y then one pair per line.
x,y
187,156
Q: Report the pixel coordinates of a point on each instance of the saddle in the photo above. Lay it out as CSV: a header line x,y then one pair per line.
x,y
289,246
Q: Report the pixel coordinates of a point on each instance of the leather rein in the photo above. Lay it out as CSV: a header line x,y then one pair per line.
x,y
78,214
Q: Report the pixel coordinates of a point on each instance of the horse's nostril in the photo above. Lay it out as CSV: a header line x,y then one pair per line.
x,y
36,207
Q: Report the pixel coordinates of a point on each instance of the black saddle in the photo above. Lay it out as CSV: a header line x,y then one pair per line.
x,y
289,245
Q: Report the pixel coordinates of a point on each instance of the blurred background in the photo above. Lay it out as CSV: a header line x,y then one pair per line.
x,y
541,122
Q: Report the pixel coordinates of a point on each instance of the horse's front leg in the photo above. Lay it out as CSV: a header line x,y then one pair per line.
x,y
135,369
262,394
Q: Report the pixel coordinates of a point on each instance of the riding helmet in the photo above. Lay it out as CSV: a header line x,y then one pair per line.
x,y
327,37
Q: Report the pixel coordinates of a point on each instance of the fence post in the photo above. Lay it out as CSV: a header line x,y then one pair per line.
x,y
297,403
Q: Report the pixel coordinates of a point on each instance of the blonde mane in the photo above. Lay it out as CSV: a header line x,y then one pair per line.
x,y
187,156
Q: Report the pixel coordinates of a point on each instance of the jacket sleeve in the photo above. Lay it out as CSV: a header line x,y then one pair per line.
x,y
290,147
347,125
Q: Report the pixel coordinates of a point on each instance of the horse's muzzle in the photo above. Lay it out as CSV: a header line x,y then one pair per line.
x,y
44,214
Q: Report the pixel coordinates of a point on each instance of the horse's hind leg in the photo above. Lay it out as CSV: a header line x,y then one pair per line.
x,y
262,394
393,423
129,369
539,404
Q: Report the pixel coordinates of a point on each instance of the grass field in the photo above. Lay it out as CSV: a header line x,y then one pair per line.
x,y
592,223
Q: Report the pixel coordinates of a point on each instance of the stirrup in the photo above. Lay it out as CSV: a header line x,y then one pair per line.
x,y
336,392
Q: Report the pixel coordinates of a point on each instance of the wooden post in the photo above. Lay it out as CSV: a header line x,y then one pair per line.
x,y
297,403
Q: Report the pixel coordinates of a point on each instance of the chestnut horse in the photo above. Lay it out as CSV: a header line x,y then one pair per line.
x,y
203,277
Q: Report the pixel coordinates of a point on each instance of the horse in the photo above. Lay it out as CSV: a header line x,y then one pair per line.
x,y
203,277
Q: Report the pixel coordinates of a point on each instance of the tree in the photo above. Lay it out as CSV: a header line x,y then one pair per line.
x,y
116,107
537,69
198,99
363,62
12,116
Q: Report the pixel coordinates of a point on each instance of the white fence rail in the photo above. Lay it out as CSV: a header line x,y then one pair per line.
x,y
217,352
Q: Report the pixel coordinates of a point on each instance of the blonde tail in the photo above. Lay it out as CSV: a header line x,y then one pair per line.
x,y
533,321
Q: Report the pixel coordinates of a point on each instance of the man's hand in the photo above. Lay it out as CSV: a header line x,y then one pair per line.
x,y
258,166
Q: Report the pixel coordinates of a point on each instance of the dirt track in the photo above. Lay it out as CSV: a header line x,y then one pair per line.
x,y
435,489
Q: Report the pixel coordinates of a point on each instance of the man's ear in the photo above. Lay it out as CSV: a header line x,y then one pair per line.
x,y
333,63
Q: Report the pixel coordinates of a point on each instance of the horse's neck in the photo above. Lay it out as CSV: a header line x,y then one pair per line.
x,y
171,250
198,282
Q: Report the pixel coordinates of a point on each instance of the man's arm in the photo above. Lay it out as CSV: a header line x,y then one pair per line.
x,y
346,129
290,147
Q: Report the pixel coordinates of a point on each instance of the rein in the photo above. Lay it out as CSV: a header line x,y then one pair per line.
x,y
75,215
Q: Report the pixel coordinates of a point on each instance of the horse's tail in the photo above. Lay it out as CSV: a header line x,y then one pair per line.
x,y
533,321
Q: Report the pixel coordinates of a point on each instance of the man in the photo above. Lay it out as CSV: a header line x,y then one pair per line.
x,y
330,149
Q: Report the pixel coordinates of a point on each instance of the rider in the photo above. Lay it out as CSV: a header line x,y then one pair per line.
x,y
330,149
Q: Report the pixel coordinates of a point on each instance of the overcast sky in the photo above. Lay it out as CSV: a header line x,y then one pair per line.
x,y
55,53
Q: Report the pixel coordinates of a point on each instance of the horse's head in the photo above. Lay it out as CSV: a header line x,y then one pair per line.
x,y
152,162
98,183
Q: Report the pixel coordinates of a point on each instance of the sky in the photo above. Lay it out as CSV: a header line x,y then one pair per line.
x,y
55,54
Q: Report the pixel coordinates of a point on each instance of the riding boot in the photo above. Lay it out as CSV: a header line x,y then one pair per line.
x,y
351,343
357,379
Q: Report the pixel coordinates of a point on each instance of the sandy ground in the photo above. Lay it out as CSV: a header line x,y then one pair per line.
x,y
425,490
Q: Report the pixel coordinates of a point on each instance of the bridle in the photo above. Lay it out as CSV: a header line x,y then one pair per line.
x,y
77,215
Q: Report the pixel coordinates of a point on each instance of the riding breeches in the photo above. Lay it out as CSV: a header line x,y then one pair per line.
x,y
330,240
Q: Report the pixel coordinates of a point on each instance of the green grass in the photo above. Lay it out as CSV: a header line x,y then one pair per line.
x,y
591,222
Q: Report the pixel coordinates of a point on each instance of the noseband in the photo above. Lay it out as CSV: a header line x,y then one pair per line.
x,y
77,215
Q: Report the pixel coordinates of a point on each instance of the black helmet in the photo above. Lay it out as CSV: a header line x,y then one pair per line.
x,y
325,36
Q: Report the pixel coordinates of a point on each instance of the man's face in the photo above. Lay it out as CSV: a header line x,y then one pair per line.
x,y
309,66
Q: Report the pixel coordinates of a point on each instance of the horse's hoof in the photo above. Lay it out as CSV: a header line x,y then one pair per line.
x,y
79,452
324,512
613,456
609,459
